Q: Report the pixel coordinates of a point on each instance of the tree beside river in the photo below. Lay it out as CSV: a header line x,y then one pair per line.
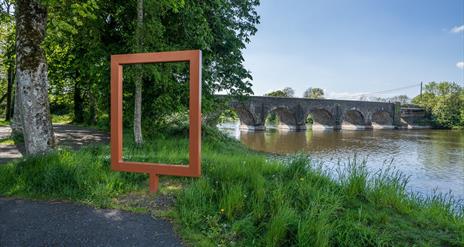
x,y
445,102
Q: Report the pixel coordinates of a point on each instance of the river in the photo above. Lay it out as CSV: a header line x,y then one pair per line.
x,y
433,159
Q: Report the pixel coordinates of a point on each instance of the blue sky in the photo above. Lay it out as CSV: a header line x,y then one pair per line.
x,y
352,47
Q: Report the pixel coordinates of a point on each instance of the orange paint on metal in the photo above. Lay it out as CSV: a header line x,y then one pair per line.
x,y
193,169
153,182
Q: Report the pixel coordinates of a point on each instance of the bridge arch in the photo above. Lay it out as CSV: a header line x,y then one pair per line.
x,y
287,118
353,119
292,112
382,120
322,118
247,119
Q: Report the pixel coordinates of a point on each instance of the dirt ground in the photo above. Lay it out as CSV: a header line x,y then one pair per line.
x,y
66,135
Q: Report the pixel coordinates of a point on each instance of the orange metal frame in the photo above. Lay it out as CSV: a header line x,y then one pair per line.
x,y
193,169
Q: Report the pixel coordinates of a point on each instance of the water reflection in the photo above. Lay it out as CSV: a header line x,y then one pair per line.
x,y
434,159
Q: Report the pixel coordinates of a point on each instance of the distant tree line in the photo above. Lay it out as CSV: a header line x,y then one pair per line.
x,y
286,92
310,93
402,99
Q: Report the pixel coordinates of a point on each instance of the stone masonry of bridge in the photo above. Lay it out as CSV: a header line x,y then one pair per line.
x,y
326,113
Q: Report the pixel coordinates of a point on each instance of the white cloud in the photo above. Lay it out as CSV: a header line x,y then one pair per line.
x,y
460,65
457,29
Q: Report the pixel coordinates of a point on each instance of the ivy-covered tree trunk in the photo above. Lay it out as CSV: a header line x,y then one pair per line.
x,y
138,78
31,75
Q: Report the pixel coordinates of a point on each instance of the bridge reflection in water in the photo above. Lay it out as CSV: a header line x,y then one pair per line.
x,y
434,159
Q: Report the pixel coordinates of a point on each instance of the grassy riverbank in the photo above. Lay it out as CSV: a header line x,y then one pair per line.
x,y
246,198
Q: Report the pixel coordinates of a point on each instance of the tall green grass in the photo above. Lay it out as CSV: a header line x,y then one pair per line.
x,y
292,203
79,176
246,198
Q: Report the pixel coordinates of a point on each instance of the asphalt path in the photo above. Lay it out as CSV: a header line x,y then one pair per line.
x,y
37,223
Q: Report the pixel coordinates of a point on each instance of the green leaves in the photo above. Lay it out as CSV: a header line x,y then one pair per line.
x,y
314,93
286,92
83,34
445,101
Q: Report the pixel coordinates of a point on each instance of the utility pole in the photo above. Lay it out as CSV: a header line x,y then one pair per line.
x,y
421,91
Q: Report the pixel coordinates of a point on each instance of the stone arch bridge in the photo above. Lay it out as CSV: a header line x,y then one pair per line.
x,y
326,113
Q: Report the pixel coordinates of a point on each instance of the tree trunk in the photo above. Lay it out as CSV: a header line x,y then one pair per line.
x,y
9,93
31,75
138,112
138,78
78,104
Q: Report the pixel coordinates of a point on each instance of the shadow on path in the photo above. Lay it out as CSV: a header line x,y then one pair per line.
x,y
66,135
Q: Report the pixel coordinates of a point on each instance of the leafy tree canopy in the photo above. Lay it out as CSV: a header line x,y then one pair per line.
x,y
314,93
445,101
81,36
286,92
